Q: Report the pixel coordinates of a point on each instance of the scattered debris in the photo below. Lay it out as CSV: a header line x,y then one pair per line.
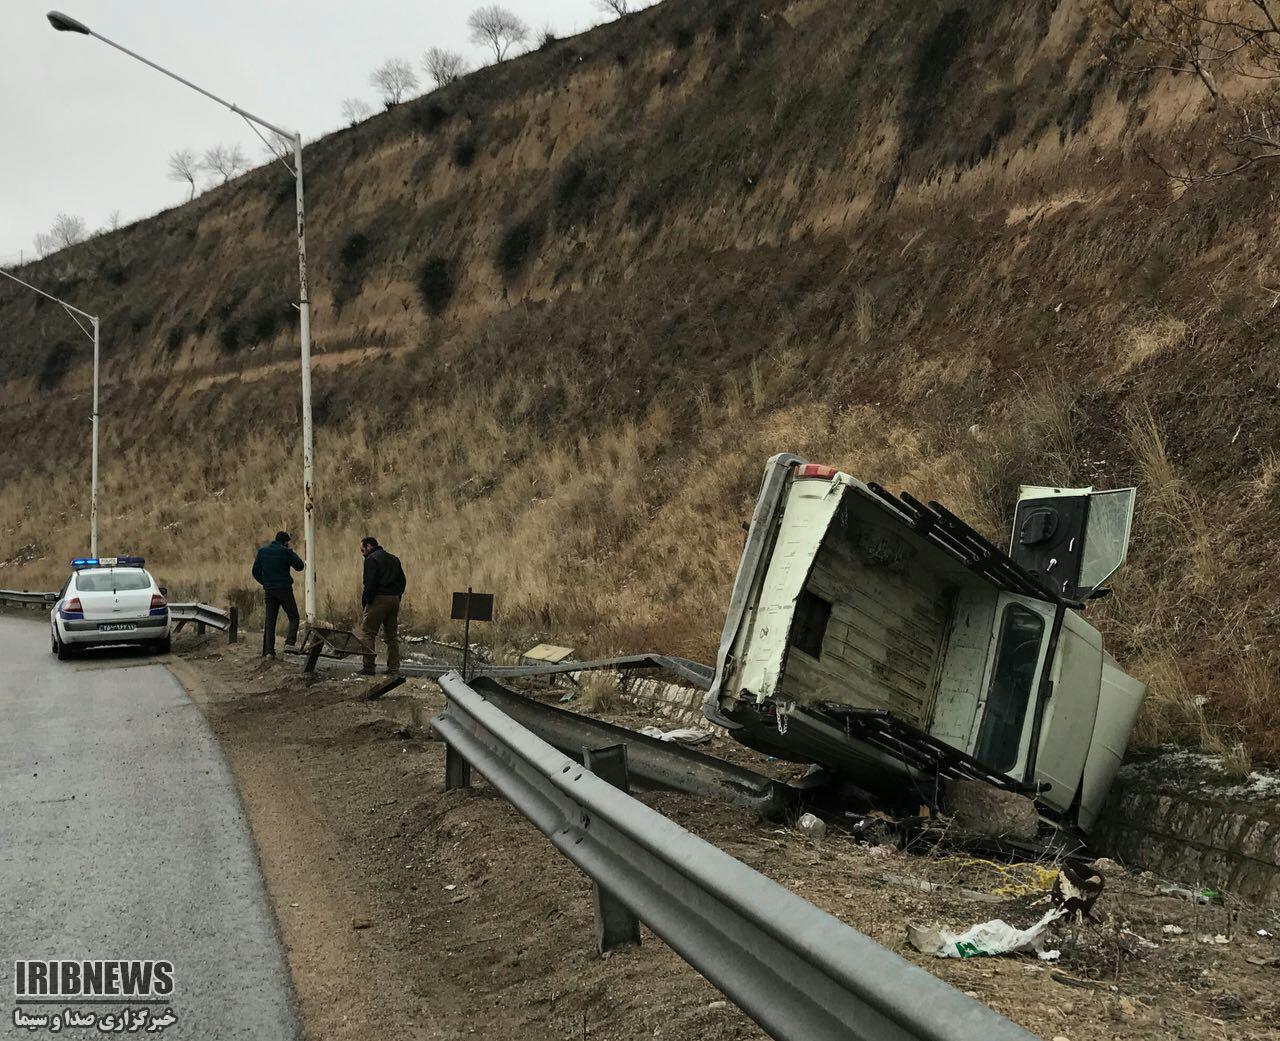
x,y
1198,896
1219,939
933,887
1173,930
814,827
385,687
1074,892
680,735
362,923
985,939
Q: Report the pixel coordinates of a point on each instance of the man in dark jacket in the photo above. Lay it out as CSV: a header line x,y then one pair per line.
x,y
383,588
271,570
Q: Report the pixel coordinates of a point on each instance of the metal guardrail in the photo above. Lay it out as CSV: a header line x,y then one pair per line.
x,y
202,616
693,672
206,616
651,763
16,596
800,973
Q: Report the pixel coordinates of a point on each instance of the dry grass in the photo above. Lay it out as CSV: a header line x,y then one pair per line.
x,y
864,314
1141,343
599,692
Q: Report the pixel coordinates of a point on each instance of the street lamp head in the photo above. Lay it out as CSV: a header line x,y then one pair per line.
x,y
66,24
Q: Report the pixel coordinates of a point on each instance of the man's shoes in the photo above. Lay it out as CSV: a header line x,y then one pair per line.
x,y
366,671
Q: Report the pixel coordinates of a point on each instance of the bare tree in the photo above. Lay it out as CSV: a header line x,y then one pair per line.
x,y
1190,37
113,220
184,165
395,78
495,27
277,146
356,110
618,7
443,66
226,160
67,230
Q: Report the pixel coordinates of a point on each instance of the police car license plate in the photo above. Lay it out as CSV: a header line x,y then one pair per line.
x,y
117,627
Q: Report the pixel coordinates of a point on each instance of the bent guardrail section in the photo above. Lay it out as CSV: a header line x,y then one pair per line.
x,y
800,973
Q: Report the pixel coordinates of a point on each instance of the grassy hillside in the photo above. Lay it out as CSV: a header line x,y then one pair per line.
x,y
567,307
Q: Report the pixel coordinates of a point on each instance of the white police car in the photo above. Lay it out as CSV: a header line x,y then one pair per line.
x,y
109,600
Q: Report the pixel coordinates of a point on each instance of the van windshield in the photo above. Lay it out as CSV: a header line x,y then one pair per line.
x,y
111,581
1012,679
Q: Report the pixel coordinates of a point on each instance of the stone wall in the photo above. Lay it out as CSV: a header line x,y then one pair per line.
x,y
1182,816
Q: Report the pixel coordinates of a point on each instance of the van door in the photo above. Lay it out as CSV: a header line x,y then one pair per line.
x,y
1073,539
1005,716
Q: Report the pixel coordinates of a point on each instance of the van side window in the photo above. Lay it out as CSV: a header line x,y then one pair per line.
x,y
809,626
1017,653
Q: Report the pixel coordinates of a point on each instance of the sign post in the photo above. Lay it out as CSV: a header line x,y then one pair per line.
x,y
468,606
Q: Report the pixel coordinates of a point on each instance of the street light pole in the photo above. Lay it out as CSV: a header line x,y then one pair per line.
x,y
93,321
308,443
93,481
65,23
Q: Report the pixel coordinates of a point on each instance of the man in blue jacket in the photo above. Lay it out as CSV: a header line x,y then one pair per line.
x,y
271,571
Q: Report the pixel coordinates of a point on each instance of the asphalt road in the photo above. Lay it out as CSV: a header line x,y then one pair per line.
x,y
122,836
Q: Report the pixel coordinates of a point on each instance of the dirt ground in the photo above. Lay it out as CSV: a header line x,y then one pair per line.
x,y
411,912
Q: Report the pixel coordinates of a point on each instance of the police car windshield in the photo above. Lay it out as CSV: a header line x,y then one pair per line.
x,y
112,581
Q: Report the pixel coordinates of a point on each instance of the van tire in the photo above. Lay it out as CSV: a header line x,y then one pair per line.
x,y
63,650
164,646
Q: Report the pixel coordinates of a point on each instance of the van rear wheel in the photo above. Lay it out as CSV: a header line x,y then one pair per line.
x,y
62,650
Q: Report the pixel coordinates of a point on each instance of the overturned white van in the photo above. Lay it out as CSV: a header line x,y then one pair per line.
x,y
886,640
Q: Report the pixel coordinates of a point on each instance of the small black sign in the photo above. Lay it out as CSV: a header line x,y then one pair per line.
x,y
481,607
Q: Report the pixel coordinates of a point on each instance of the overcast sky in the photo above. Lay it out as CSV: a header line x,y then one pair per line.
x,y
87,130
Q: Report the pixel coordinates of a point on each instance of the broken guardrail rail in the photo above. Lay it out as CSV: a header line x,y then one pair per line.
x,y
651,763
800,973
205,615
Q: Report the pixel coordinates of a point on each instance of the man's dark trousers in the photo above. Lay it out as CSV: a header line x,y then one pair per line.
x,y
274,599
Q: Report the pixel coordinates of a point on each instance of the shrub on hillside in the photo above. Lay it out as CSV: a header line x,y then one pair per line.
x,y
464,151
354,257
229,336
56,365
173,339
683,37
435,284
429,116
581,182
355,247
111,270
516,246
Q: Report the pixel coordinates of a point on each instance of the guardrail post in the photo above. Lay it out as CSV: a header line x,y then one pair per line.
x,y
233,629
616,925
457,771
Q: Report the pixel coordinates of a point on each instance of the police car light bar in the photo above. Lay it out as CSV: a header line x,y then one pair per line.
x,y
82,562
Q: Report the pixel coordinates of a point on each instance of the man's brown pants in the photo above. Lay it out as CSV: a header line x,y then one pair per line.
x,y
384,614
